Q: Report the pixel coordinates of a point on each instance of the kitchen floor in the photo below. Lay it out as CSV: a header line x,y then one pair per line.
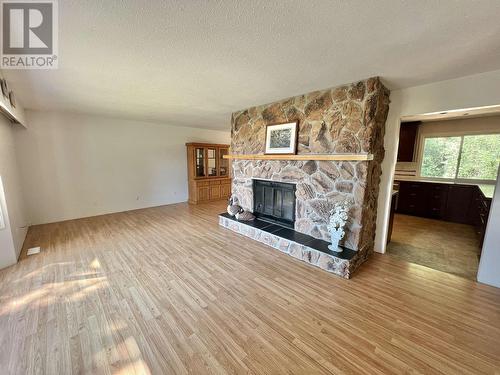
x,y
437,244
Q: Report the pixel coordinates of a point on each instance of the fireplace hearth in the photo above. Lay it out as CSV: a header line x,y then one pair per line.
x,y
274,202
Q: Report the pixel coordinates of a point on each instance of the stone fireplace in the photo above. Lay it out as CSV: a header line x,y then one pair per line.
x,y
345,120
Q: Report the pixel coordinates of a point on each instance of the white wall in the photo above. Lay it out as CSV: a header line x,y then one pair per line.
x,y
478,125
77,165
466,92
11,201
489,265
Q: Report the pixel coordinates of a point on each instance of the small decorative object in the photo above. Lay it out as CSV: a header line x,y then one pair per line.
x,y
243,215
282,138
12,99
233,208
5,88
338,218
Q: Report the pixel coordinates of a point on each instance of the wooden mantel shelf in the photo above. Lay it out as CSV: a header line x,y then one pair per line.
x,y
345,157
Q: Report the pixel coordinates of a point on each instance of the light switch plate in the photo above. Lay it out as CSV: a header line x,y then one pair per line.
x,y
33,250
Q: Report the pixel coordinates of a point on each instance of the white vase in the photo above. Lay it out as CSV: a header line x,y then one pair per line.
x,y
335,243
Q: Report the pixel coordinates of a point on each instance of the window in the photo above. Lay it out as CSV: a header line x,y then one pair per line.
x,y
465,157
480,156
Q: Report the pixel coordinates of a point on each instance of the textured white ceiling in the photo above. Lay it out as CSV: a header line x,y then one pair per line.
x,y
193,62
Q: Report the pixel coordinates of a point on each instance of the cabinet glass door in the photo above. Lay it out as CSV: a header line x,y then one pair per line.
x,y
199,154
223,163
212,162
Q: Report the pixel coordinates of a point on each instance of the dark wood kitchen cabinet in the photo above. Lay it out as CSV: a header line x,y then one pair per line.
x,y
394,205
411,199
437,199
422,199
407,139
464,204
479,210
457,205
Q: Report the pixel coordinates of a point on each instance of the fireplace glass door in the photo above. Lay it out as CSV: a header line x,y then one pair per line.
x,y
274,201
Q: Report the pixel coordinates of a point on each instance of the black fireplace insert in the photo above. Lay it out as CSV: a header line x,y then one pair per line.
x,y
274,202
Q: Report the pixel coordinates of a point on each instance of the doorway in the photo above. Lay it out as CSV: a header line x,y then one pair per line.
x,y
443,184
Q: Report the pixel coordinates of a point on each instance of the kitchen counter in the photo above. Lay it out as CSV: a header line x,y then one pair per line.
x,y
486,189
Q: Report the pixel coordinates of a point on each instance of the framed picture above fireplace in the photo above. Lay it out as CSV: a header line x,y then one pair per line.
x,y
282,138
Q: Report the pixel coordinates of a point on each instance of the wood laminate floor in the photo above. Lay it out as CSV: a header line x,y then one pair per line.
x,y
167,291
444,246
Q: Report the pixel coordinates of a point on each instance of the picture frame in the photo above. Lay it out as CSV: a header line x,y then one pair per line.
x,y
12,99
281,139
5,88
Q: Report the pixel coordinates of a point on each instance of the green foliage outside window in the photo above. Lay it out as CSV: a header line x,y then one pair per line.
x,y
440,157
479,158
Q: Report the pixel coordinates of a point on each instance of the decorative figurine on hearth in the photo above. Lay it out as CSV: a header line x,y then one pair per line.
x,y
233,207
338,218
243,215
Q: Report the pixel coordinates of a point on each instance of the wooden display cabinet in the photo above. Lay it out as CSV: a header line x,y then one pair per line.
x,y
209,174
